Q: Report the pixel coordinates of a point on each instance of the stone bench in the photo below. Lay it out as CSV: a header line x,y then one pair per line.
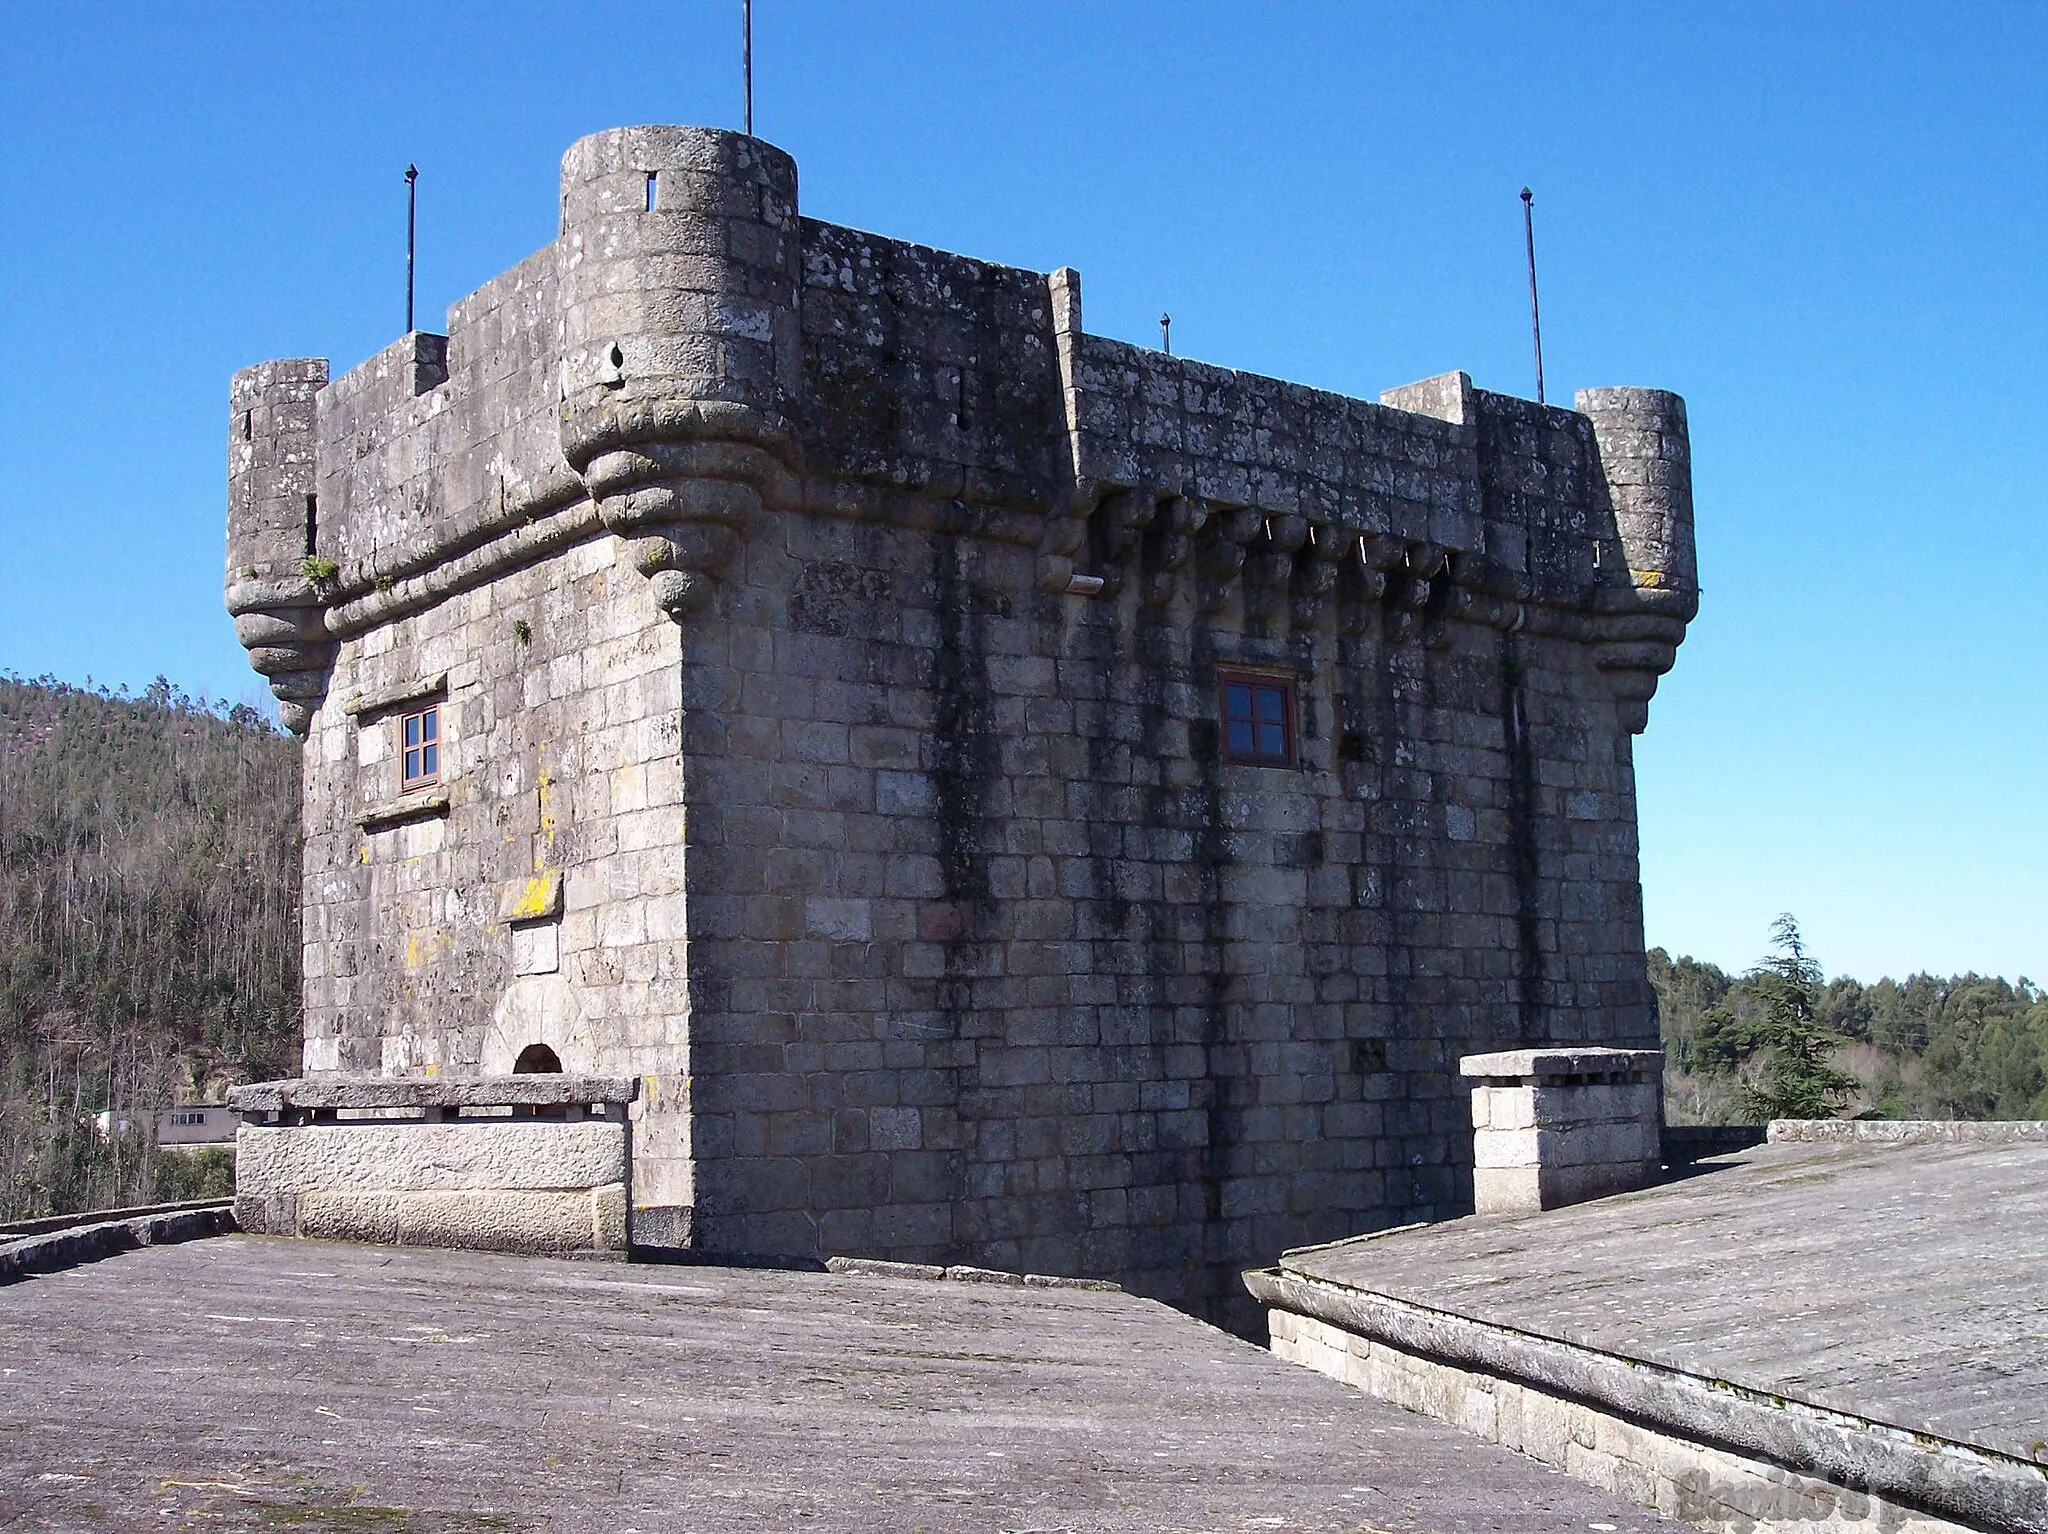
x,y
538,1163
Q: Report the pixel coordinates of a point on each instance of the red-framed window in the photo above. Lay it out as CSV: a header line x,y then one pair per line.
x,y
419,756
1258,719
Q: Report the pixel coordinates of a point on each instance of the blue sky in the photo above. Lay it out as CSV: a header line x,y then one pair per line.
x,y
1822,224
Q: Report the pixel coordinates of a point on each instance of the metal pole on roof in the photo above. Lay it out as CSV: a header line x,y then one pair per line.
x,y
747,57
412,228
1535,315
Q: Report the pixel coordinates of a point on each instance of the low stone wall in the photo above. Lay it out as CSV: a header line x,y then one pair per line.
x,y
1724,1456
1908,1131
539,1164
1704,1486
65,1241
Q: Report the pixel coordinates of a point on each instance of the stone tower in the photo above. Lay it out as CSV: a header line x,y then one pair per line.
x,y
1012,796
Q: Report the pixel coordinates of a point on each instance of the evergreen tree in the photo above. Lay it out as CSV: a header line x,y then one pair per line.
x,y
1800,1080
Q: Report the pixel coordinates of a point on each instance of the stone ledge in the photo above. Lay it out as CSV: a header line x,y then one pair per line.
x,y
52,1251
375,700
1951,1479
1908,1131
960,1273
15,1230
1709,1487
419,807
421,1092
1559,1064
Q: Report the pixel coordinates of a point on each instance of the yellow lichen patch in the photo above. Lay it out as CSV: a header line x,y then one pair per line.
x,y
1648,577
536,897
423,948
544,843
531,899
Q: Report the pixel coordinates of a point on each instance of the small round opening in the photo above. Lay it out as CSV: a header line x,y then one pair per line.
x,y
537,1060
618,358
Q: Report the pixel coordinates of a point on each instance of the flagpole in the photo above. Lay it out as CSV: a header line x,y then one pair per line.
x,y
1535,315
412,226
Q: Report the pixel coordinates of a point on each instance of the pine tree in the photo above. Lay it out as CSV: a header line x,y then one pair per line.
x,y
1800,1080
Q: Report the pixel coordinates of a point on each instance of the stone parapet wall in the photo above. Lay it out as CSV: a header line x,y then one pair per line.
x,y
1907,1131
1702,1448
47,1246
1695,1482
436,1163
673,366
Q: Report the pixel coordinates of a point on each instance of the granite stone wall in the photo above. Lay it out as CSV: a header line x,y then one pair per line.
x,y
1699,1483
995,955
534,896
865,616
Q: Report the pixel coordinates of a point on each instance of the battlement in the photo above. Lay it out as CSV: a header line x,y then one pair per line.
x,y
690,350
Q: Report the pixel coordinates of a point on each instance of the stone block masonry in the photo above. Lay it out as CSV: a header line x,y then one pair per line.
x,y
1703,1484
852,639
1555,1126
532,1163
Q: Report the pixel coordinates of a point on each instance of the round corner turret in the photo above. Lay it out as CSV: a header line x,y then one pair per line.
x,y
1646,458
274,560
680,262
1652,589
680,270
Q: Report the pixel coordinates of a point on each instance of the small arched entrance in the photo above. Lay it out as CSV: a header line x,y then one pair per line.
x,y
537,1060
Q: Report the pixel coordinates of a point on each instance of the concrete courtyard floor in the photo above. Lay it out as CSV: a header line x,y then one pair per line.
x,y
245,1382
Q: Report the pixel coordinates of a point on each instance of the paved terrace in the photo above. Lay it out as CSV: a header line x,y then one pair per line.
x,y
1907,1284
251,1382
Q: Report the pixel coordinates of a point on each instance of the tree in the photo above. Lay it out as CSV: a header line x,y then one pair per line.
x,y
1799,1080
149,926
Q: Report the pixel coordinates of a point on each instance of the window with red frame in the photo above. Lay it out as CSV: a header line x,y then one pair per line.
x,y
419,734
1258,720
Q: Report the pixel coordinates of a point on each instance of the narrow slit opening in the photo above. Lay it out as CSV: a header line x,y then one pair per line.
x,y
650,191
312,525
247,427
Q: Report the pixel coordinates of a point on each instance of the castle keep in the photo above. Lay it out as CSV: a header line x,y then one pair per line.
x,y
1010,796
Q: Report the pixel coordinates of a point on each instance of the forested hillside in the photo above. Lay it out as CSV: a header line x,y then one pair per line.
x,y
149,937
1927,1047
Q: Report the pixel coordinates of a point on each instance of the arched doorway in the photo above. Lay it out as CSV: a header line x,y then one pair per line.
x,y
537,1060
